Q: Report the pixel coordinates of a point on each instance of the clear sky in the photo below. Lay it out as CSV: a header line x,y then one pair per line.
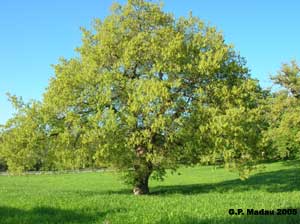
x,y
34,34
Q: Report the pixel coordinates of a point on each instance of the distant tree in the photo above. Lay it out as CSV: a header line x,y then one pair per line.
x,y
289,78
149,92
283,134
29,141
23,136
3,166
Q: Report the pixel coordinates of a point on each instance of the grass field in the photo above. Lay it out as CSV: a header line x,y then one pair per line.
x,y
199,195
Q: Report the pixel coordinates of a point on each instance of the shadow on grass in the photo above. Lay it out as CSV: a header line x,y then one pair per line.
x,y
293,219
292,163
43,215
276,181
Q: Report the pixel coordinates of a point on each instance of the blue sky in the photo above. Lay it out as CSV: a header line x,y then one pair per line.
x,y
34,34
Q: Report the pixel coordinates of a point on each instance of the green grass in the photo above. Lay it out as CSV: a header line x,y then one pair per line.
x,y
199,195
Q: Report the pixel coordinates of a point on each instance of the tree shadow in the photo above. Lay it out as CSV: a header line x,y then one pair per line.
x,y
47,215
275,181
292,163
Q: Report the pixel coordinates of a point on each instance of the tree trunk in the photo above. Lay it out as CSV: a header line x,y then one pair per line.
x,y
142,172
141,184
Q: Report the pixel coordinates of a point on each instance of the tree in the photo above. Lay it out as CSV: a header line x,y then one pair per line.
x,y
22,138
146,89
289,78
283,135
149,92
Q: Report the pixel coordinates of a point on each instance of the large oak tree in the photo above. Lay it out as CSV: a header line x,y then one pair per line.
x,y
149,92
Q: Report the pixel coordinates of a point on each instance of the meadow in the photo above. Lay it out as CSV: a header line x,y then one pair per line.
x,y
199,195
